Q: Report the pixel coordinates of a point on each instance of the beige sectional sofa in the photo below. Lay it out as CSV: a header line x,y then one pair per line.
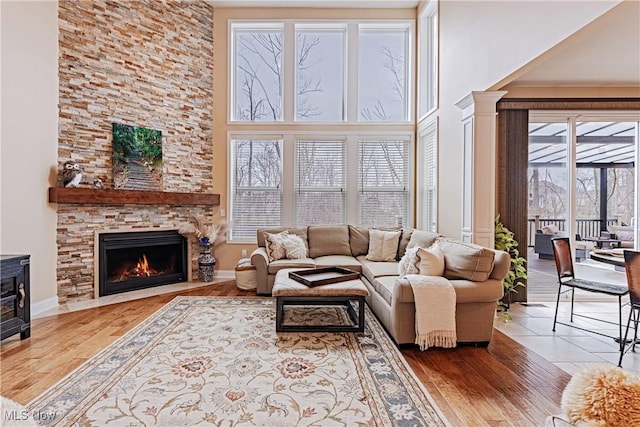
x,y
390,296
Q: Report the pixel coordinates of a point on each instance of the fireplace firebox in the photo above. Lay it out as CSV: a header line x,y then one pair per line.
x,y
138,260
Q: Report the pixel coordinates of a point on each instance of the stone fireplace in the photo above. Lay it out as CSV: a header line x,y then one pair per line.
x,y
79,228
140,260
142,63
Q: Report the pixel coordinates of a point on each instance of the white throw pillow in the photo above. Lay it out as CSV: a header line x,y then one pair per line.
x,y
409,262
274,244
431,261
294,247
383,245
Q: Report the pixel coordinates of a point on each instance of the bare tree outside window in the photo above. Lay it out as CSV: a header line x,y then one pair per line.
x,y
382,76
320,76
257,186
258,75
319,166
384,180
320,182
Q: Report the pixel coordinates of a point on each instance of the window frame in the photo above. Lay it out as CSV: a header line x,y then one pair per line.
x,y
428,59
406,190
428,220
409,30
350,76
296,166
232,181
351,130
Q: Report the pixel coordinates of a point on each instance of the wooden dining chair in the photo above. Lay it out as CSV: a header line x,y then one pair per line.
x,y
567,282
632,267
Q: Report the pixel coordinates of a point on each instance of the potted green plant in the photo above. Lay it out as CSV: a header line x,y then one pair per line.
x,y
505,241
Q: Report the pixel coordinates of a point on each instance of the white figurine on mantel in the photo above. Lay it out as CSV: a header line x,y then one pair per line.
x,y
71,174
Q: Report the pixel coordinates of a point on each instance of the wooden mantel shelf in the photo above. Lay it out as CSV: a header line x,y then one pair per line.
x,y
95,196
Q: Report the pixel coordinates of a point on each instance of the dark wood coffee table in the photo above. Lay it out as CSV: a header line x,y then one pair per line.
x,y
289,292
599,242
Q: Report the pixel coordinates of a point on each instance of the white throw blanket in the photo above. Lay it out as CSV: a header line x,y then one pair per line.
x,y
435,301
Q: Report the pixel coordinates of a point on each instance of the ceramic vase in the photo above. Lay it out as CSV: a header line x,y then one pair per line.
x,y
206,264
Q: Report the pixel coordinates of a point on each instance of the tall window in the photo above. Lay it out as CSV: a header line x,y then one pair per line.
x,y
428,59
383,90
257,73
428,173
320,69
320,182
256,186
306,88
383,178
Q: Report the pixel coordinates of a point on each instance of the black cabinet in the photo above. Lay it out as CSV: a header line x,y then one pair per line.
x,y
14,298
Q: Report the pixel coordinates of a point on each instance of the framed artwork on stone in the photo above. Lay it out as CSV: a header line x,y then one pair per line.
x,y
137,158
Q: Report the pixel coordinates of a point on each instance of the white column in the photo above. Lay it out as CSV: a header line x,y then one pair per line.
x,y
479,166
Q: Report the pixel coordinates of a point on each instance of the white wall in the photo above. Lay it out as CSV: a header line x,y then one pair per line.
x,y
29,132
481,42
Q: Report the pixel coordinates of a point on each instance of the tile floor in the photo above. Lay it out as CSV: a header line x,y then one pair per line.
x,y
569,348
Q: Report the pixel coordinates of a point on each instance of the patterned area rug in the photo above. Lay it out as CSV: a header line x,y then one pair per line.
x,y
218,361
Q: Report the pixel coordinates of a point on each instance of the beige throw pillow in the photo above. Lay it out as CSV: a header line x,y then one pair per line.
x,y
422,238
294,247
431,261
359,240
466,260
274,244
383,245
328,240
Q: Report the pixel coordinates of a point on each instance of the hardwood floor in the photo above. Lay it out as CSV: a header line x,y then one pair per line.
x,y
504,384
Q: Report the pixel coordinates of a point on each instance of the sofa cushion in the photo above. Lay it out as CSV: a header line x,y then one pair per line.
x,y
302,232
274,243
328,240
465,260
359,240
278,265
373,269
422,238
384,287
624,233
431,261
383,245
343,261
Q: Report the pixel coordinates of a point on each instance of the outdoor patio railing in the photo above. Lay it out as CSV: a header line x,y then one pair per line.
x,y
585,227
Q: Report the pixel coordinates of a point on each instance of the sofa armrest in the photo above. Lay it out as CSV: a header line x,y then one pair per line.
x,y
402,291
501,265
260,260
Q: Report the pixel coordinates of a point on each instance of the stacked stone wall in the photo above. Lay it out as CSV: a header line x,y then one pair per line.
x,y
144,63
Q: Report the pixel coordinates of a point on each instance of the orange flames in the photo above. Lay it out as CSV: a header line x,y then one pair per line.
x,y
143,266
141,269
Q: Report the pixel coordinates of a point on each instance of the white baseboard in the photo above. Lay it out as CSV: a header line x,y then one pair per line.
x,y
226,274
42,306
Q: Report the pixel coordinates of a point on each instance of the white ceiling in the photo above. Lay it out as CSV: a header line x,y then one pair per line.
x,y
604,53
334,4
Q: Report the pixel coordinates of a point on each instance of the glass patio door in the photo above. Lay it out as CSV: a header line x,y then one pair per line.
x,y
583,185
